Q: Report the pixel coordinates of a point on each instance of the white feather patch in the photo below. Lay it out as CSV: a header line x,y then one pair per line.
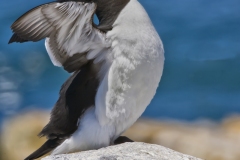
x,y
133,76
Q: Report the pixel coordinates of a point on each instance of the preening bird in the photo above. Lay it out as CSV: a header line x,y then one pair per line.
x,y
116,67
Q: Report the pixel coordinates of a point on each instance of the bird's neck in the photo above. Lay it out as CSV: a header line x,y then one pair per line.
x,y
108,10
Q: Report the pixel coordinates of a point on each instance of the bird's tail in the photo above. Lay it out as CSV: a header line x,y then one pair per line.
x,y
48,146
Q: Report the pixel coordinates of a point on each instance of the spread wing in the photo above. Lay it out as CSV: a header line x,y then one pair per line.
x,y
71,38
73,42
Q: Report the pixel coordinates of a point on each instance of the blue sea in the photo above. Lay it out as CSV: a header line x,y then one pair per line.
x,y
202,69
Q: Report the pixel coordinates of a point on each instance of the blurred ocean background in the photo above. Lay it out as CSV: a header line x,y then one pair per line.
x,y
197,104
201,77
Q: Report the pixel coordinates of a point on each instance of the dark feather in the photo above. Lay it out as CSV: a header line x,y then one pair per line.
x,y
75,62
48,146
108,11
76,96
19,28
16,38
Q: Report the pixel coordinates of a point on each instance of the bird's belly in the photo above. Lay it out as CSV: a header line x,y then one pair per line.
x,y
129,85
135,64
142,82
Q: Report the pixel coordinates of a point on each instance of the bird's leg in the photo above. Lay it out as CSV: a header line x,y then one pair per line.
x,y
122,139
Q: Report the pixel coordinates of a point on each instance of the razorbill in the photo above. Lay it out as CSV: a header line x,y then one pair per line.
x,y
116,66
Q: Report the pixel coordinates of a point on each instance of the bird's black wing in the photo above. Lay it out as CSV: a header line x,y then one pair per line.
x,y
76,96
16,38
48,146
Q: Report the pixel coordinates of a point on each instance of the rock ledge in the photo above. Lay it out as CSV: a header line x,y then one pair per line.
x,y
126,151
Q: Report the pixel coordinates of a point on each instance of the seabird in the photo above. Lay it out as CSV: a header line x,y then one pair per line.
x,y
116,67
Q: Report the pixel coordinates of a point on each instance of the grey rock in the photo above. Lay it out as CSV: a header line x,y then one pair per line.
x,y
126,151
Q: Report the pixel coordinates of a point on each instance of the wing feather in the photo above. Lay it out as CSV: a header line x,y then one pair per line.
x,y
68,29
31,23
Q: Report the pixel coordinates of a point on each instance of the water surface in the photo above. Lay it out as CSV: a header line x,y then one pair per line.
x,y
202,69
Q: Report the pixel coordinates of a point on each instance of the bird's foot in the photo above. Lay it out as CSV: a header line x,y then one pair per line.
x,y
122,139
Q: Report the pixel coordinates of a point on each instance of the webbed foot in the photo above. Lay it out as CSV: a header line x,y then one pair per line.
x,y
122,139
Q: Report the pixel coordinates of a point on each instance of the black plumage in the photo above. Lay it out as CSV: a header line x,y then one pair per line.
x,y
45,148
76,95
16,38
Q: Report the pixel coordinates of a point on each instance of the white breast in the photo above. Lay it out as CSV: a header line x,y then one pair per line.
x,y
136,67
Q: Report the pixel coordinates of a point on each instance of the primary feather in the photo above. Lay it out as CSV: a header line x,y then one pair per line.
x,y
68,30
